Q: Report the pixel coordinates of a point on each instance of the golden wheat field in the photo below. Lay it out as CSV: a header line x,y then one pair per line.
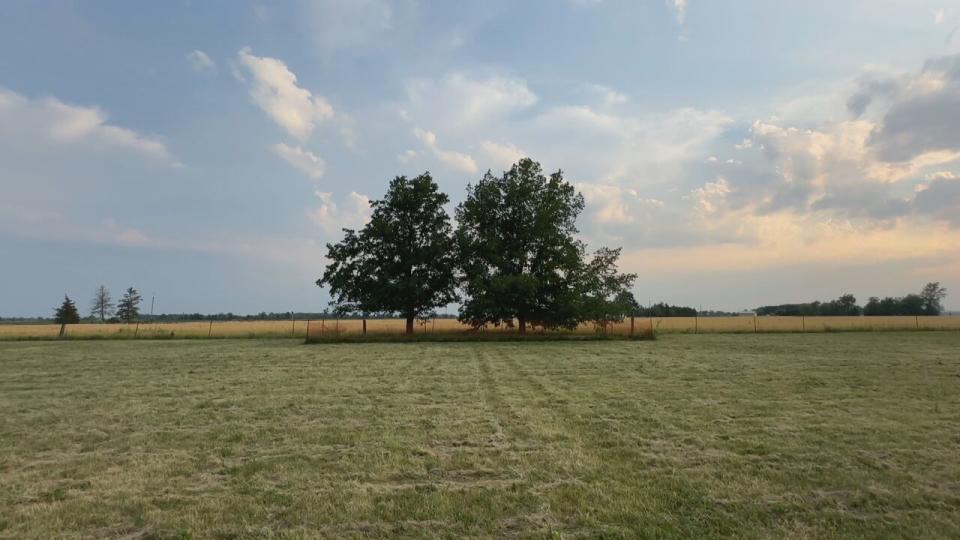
x,y
318,328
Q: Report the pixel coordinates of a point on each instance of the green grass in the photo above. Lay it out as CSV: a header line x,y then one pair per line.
x,y
747,436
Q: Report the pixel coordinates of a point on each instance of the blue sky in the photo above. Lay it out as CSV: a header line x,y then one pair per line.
x,y
742,153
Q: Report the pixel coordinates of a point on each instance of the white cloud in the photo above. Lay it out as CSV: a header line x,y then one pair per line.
x,y
943,175
407,156
712,196
583,117
502,155
114,233
303,160
454,160
274,89
607,203
332,218
939,15
460,100
607,95
679,8
200,62
625,147
72,125
55,225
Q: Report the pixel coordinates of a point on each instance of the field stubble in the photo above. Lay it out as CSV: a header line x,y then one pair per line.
x,y
848,434
354,327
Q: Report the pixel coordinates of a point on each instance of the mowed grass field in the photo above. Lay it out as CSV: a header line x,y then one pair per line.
x,y
746,436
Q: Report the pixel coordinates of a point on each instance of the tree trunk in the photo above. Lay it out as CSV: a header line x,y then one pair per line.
x,y
523,324
410,325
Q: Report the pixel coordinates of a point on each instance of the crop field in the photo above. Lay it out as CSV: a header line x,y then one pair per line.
x,y
746,436
335,327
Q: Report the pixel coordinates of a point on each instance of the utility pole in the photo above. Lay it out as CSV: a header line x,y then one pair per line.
x,y
152,298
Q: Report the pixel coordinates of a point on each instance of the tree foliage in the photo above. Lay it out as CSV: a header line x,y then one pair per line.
x,y
928,302
933,295
402,261
519,259
606,296
128,308
662,309
67,312
517,252
845,305
101,305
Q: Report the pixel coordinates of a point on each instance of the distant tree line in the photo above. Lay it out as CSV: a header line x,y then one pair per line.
x,y
661,309
270,316
845,305
193,317
928,302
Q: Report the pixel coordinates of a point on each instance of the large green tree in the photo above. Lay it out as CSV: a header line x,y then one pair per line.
x,y
517,251
402,262
128,308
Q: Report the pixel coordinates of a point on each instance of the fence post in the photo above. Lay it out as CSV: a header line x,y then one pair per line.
x,y
323,322
917,320
63,329
754,324
364,326
308,329
336,328
803,324
210,329
293,327
632,323
696,324
137,329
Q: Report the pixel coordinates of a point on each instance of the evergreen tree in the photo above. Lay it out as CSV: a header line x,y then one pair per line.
x,y
67,312
128,309
402,261
101,306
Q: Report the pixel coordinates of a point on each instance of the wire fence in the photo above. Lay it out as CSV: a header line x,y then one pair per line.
x,y
315,328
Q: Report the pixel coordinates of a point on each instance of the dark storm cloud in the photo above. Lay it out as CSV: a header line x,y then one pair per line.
x,y
925,117
941,200
864,200
869,88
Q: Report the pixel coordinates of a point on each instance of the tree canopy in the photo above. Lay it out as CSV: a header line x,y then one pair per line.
x,y
928,302
933,295
519,259
402,261
605,292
